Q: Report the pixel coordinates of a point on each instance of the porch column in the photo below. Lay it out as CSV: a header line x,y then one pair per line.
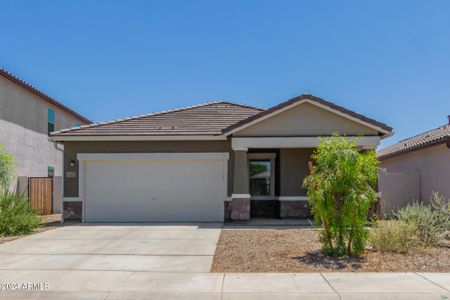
x,y
240,199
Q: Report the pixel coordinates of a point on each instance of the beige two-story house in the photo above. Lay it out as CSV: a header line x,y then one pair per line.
x,y
27,116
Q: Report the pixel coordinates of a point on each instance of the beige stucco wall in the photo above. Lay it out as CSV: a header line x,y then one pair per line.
x,y
71,149
293,170
432,164
23,130
398,189
305,120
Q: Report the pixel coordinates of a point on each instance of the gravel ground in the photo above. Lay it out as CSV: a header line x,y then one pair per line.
x,y
298,250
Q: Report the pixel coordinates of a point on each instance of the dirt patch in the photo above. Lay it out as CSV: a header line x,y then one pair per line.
x,y
49,222
298,250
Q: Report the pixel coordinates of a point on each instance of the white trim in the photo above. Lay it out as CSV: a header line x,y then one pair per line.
x,y
138,138
366,142
240,148
62,188
154,156
347,116
68,199
81,188
240,196
292,198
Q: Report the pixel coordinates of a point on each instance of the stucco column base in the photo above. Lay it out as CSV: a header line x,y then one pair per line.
x,y
240,208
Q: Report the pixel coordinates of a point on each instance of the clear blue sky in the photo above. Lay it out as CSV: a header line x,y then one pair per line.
x,y
389,60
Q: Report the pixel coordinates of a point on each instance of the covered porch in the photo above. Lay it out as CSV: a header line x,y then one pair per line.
x,y
268,174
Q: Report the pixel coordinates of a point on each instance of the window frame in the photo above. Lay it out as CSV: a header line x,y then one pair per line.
x,y
51,117
269,157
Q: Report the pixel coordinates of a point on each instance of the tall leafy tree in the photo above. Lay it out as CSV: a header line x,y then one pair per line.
x,y
341,192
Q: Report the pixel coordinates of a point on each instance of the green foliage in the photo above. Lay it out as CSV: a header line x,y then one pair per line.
x,y
441,209
341,192
416,226
393,236
6,168
16,215
430,221
257,168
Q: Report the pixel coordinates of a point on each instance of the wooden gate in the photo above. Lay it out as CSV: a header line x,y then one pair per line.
x,y
40,192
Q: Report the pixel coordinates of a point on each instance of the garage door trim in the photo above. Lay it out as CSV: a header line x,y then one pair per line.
x,y
200,156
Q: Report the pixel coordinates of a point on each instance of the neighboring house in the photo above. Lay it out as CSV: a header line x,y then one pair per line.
x,y
415,167
209,162
27,116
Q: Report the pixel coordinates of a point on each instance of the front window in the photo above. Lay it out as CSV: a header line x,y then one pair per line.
x,y
50,120
260,177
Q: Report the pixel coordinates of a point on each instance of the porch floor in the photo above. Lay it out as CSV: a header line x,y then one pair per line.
x,y
269,223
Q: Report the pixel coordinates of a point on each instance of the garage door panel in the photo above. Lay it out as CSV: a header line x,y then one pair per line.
x,y
154,190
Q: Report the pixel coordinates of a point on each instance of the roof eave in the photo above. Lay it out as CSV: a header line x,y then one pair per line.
x,y
404,151
85,138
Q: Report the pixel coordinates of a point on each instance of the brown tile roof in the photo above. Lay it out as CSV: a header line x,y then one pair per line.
x,y
311,98
204,119
41,94
429,138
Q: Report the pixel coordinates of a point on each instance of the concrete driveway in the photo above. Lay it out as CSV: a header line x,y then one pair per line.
x,y
96,259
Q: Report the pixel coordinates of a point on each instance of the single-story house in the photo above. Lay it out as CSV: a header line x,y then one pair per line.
x,y
414,168
209,162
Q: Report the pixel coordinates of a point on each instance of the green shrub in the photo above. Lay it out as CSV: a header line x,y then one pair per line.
x,y
393,236
6,168
340,191
16,215
441,208
430,221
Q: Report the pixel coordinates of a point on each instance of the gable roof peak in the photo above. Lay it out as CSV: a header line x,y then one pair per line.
x,y
381,127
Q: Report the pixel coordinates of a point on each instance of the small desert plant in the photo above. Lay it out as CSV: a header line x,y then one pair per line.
x,y
393,236
431,221
341,192
16,215
441,208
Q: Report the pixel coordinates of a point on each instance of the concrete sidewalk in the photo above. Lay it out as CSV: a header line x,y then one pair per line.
x,y
73,284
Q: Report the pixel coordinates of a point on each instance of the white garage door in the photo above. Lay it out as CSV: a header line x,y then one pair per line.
x,y
157,187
